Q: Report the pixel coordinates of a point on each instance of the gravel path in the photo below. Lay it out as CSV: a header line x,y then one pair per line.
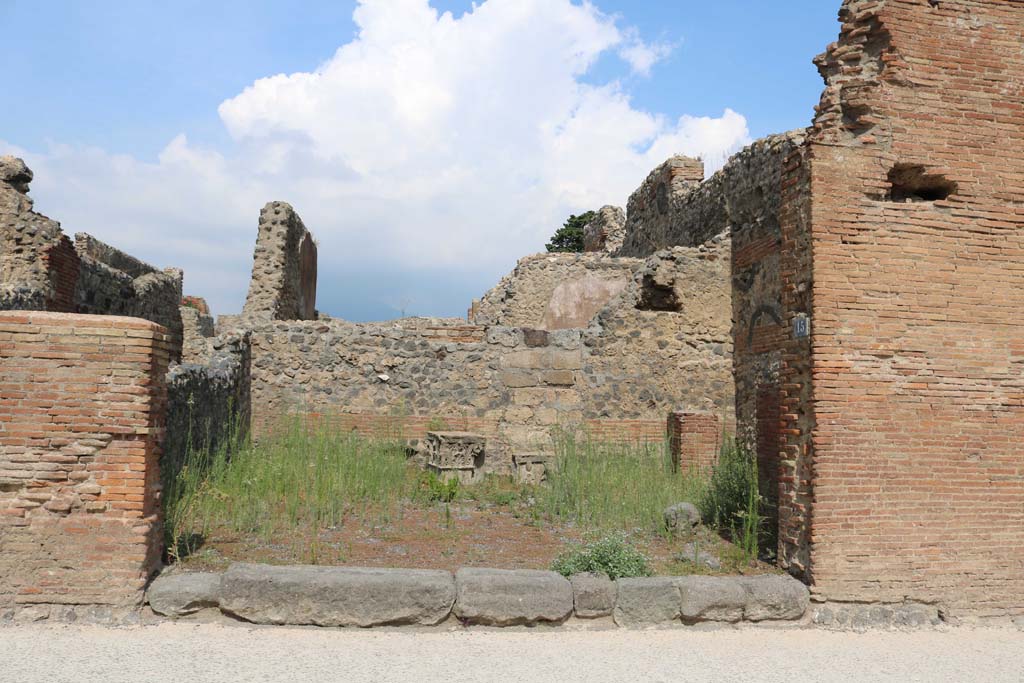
x,y
188,653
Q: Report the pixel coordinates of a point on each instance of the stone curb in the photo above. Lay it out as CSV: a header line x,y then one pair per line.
x,y
354,596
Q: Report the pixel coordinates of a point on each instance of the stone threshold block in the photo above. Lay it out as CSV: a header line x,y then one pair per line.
x,y
336,596
503,597
692,599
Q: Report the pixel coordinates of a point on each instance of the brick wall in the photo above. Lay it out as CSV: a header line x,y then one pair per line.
x,y
82,404
694,439
903,415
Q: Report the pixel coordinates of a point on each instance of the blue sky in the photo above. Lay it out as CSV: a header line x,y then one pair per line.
x,y
424,178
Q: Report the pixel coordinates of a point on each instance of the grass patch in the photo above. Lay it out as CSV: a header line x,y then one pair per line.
x,y
308,477
306,486
615,487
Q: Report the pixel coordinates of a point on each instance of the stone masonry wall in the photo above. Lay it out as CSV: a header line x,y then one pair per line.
x,y
209,404
618,378
38,265
111,282
606,231
652,210
283,285
197,335
554,291
738,195
81,418
916,233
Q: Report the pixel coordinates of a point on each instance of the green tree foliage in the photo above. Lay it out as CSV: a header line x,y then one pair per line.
x,y
569,237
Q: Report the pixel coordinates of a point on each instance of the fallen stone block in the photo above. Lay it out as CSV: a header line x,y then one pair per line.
x,y
593,595
712,598
336,596
647,601
502,597
681,517
774,597
182,593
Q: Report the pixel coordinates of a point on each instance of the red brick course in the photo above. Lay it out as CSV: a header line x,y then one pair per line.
x,y
82,408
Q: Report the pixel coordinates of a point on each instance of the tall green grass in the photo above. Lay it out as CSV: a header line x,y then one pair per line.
x,y
732,502
307,477
301,477
615,486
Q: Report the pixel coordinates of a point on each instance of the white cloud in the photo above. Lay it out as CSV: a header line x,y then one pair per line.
x,y
426,142
640,55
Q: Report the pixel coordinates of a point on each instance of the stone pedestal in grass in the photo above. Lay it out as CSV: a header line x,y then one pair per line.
x,y
532,468
456,455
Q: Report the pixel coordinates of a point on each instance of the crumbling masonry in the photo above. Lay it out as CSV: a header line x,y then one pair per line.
x,y
844,297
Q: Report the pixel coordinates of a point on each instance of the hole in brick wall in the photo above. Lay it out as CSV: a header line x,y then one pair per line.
x,y
913,183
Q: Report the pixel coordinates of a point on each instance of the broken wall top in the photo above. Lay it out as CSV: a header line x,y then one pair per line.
x,y
283,285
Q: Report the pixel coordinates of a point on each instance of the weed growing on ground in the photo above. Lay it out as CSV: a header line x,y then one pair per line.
x,y
611,554
435,489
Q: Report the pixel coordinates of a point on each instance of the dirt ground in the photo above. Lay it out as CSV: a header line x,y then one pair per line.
x,y
462,534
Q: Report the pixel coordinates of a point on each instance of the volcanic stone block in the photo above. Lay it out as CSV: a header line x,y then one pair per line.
x,y
712,598
175,595
593,595
336,596
647,601
502,597
774,597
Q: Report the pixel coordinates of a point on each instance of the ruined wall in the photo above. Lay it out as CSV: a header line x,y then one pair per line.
x,y
652,210
81,417
197,335
40,269
283,285
111,282
665,343
617,379
904,411
606,231
38,265
209,400
554,291
741,194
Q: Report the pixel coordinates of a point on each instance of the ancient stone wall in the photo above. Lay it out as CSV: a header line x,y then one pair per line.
x,y
617,379
283,285
917,235
111,282
209,404
652,209
606,231
739,197
82,406
554,291
40,269
38,265
197,335
665,343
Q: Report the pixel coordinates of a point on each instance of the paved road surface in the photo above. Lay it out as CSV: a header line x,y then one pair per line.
x,y
190,653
